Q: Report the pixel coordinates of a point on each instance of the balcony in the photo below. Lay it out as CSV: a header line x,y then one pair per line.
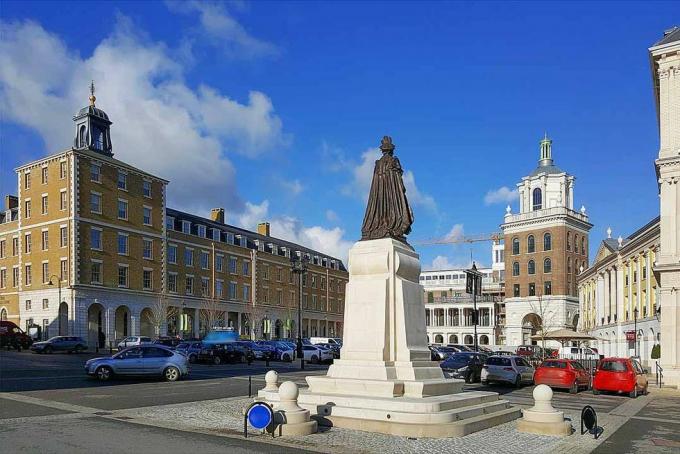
x,y
467,299
554,211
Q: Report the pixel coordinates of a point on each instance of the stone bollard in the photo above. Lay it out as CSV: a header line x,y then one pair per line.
x,y
293,419
271,380
542,418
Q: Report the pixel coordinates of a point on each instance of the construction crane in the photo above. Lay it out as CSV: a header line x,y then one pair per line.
x,y
459,239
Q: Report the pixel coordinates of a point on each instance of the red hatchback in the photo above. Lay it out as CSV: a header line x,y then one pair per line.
x,y
620,375
562,373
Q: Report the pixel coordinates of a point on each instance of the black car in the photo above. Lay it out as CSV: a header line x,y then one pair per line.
x,y
439,353
223,353
465,365
67,344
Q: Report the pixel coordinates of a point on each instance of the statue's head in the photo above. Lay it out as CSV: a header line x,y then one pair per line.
x,y
386,145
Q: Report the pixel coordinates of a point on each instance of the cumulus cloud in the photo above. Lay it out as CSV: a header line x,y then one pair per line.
x,y
329,241
501,195
160,124
222,30
292,187
332,216
362,174
441,262
456,233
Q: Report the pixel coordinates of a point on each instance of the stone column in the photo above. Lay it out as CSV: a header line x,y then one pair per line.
x,y
599,299
197,322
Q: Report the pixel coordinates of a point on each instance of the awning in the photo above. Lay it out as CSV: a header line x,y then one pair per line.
x,y
564,335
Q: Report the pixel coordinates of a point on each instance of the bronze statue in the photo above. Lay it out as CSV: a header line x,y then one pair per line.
x,y
388,214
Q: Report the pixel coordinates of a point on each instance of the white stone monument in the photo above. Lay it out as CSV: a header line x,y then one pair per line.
x,y
384,380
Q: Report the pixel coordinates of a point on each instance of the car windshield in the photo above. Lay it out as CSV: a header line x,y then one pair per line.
x,y
613,366
555,364
55,339
458,358
498,361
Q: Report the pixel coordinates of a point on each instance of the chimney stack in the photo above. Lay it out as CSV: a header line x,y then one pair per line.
x,y
217,215
11,201
263,228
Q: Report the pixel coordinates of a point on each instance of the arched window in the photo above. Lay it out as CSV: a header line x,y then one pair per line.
x,y
568,264
547,241
531,267
575,266
515,246
515,269
531,244
547,265
583,246
98,138
3,314
576,243
538,199
82,140
568,241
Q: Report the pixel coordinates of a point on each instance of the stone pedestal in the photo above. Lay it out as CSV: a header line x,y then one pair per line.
x,y
542,418
293,419
384,380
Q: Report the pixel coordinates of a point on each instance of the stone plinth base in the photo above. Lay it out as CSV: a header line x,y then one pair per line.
x,y
542,418
562,428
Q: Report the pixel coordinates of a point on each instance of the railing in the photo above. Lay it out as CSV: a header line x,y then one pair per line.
x,y
659,375
588,363
545,212
463,299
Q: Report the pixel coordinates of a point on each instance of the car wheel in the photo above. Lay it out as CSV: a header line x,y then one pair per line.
x,y
217,360
595,392
634,393
79,348
104,373
286,357
171,374
484,382
192,358
314,359
468,377
574,388
518,381
47,349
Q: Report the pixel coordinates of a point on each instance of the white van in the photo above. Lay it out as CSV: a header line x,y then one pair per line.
x,y
326,340
578,353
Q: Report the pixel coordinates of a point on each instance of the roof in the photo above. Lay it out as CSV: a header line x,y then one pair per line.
x,y
550,169
92,110
249,234
9,215
564,335
669,36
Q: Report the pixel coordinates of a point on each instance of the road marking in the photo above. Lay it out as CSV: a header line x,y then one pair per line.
x,y
647,418
48,403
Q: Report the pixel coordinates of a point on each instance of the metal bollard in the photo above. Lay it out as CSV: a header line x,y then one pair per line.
x,y
250,386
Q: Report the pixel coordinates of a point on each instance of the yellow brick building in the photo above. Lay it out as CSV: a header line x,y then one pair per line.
x,y
88,247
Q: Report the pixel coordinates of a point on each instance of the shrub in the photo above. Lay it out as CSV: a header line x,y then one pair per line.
x,y
656,351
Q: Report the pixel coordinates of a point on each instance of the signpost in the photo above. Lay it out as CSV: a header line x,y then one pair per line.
x,y
473,286
260,415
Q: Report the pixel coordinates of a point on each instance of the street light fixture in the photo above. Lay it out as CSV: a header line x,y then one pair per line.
x,y
635,314
59,287
298,265
182,326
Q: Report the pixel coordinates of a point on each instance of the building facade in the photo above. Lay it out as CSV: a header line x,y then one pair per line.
x,y
449,310
545,245
618,295
88,247
665,65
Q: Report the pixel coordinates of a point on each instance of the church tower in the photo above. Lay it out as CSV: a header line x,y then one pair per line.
x,y
665,64
93,128
546,244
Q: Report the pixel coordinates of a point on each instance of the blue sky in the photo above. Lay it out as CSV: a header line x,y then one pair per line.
x,y
274,109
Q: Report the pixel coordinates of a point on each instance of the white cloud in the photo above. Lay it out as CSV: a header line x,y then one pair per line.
x,y
329,241
223,31
442,262
160,124
362,175
501,195
456,233
293,187
332,216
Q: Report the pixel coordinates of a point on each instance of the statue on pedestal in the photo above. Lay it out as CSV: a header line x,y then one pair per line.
x,y
388,214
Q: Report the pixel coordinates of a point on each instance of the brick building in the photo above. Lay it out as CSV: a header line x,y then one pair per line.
x,y
546,244
88,247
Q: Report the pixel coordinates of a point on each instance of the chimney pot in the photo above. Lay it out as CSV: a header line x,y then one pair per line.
x,y
217,215
263,228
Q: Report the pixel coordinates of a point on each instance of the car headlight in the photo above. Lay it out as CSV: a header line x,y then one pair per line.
x,y
463,369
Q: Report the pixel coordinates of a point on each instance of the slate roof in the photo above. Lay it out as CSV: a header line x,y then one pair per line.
x,y
670,36
551,169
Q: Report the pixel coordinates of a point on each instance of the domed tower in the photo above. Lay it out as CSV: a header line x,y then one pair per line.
x,y
93,128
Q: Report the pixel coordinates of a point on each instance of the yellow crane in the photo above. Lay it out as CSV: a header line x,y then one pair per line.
x,y
459,239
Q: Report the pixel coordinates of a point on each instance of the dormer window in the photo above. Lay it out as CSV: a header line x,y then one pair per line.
x,y
186,227
201,231
216,234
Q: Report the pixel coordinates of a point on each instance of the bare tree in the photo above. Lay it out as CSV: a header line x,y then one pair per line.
x,y
548,318
161,311
211,313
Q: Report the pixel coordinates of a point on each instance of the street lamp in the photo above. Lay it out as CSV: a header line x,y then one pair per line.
x,y
298,265
182,324
59,287
635,314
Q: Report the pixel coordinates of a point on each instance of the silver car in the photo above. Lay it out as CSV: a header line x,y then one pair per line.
x,y
509,369
147,360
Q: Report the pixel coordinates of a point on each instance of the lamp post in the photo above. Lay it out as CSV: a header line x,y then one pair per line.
x,y
59,302
635,314
298,265
182,324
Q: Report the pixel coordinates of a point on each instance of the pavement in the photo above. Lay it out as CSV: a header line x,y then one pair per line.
x,y
75,413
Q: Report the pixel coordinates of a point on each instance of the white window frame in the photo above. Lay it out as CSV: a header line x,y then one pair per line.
x,y
147,207
63,200
101,272
127,243
144,287
101,239
125,180
127,275
101,202
144,183
127,209
144,240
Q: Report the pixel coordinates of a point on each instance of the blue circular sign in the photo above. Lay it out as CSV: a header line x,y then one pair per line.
x,y
260,415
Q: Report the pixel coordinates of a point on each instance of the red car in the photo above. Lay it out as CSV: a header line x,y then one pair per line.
x,y
620,375
562,373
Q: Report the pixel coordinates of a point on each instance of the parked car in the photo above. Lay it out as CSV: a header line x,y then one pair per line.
x,y
168,341
509,369
132,341
11,336
439,353
333,348
325,340
460,347
285,350
190,349
578,353
315,354
256,350
67,344
562,373
465,365
620,375
223,353
142,360
327,353
530,351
